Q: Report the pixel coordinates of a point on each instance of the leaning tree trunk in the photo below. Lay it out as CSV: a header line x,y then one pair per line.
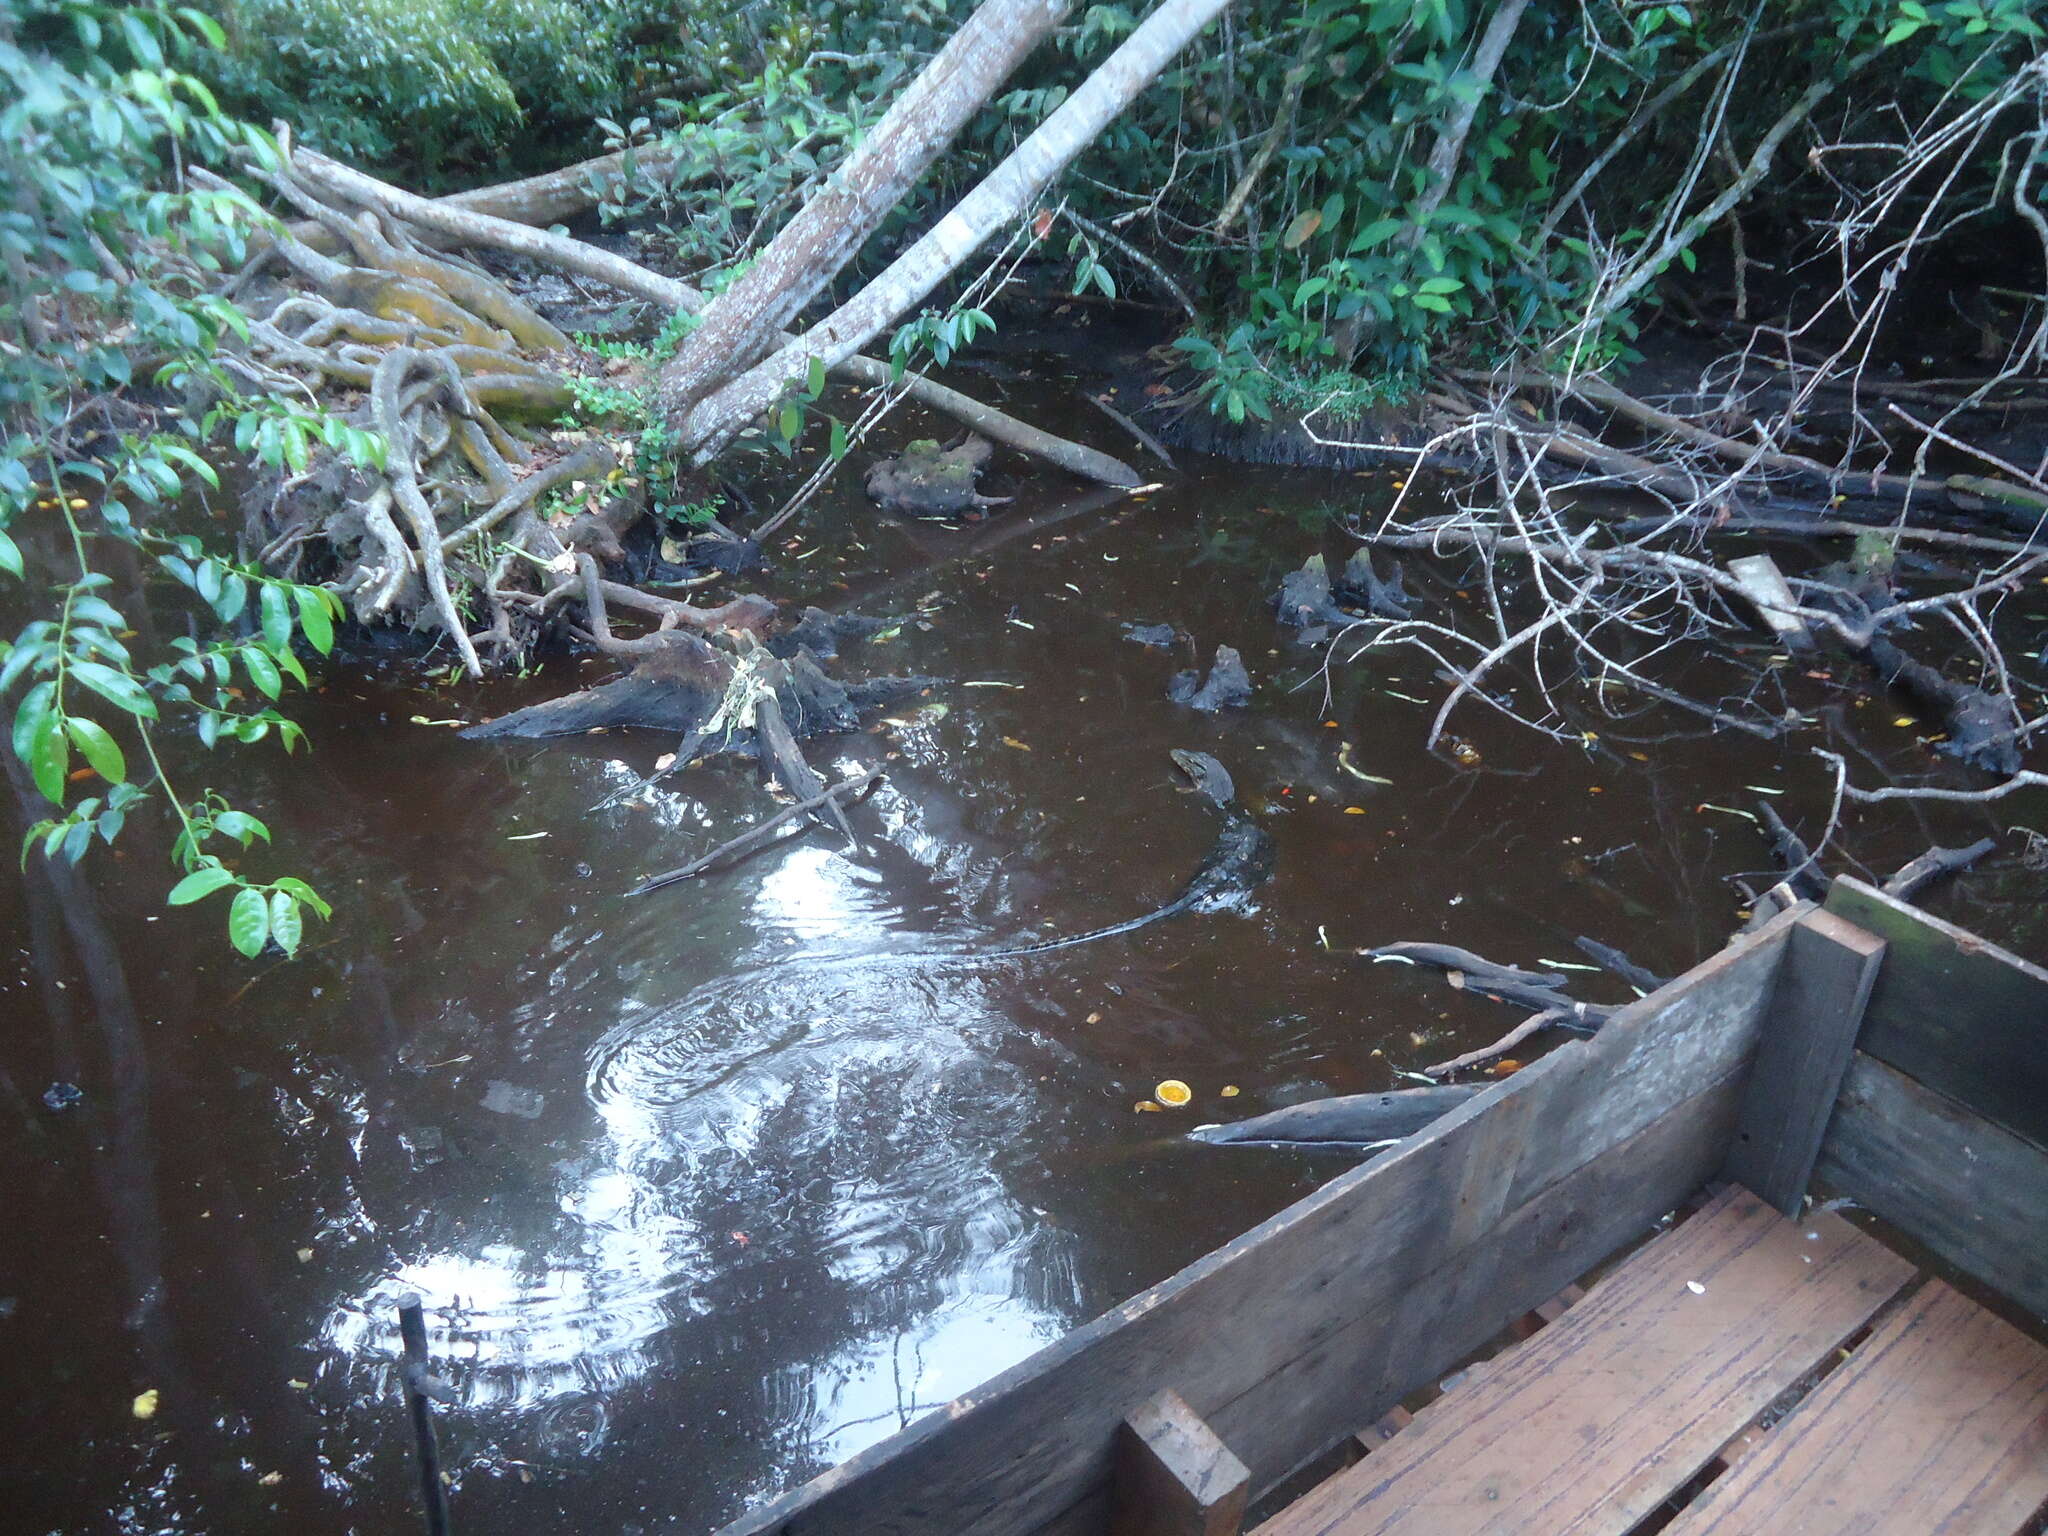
x,y
746,322
1002,196
1450,143
462,227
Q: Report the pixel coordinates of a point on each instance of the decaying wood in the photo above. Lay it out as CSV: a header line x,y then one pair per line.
x,y
1914,877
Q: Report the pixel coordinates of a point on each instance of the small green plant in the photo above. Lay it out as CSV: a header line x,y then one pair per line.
x,y
1234,382
109,260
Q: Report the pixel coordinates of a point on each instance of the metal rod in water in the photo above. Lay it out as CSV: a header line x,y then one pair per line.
x,y
412,1331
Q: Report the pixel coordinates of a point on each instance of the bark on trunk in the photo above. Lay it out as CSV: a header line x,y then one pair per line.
x,y
1002,196
1450,143
557,195
747,320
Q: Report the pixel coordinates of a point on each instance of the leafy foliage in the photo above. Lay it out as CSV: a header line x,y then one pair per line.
x,y
110,320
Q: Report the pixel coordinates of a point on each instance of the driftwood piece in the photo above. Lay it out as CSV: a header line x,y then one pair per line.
x,y
846,792
1802,870
1534,1024
1477,970
781,761
1610,959
1352,1120
1914,877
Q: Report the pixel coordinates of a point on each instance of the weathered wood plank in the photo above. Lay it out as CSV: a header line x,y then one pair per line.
x,y
1808,1036
1174,1477
1970,1190
1014,1456
1593,1423
1965,1017
1404,1340
1937,1426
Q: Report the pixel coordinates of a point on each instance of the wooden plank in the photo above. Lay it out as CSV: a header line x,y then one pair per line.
x,y
1809,1034
1246,1327
1965,1017
1407,1340
1174,1477
1937,1426
1592,1424
1973,1192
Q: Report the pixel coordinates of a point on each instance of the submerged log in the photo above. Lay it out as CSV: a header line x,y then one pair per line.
x,y
1354,1120
1914,877
652,696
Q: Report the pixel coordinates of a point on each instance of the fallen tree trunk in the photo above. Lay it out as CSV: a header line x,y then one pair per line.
x,y
745,322
1002,196
559,251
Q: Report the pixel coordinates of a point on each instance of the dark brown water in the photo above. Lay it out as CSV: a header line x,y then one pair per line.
x,y
708,1189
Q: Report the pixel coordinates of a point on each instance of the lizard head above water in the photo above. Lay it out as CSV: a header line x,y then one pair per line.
x,y
1207,776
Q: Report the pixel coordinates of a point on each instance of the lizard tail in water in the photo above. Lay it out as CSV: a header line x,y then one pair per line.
x,y
1240,860
1130,925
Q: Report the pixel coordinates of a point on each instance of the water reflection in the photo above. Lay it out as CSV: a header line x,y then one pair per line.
x,y
832,1123
707,1190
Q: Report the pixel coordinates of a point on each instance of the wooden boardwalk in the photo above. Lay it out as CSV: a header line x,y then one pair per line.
x,y
1936,1424
1754,1368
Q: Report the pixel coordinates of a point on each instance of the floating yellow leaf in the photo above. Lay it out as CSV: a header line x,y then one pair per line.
x,y
1173,1092
1230,1092
1146,1107
1011,741
1903,720
1354,810
144,1406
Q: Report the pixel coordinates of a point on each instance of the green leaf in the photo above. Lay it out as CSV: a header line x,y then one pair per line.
x,y
199,884
249,921
48,757
29,716
789,421
99,749
117,688
837,448
10,556
305,893
277,617
286,925
814,381
315,620
262,671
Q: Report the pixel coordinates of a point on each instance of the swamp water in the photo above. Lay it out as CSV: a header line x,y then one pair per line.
x,y
706,1190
